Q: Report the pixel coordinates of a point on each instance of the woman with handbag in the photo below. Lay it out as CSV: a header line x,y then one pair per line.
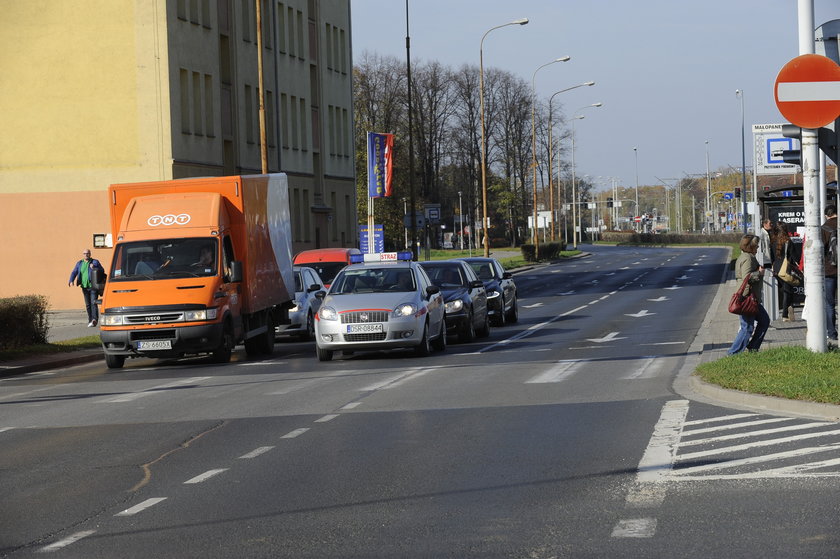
x,y
784,252
753,327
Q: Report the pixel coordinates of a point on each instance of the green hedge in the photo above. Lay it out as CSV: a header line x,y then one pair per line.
x,y
24,320
632,238
547,251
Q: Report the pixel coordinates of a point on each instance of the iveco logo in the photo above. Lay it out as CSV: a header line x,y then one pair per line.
x,y
364,317
152,319
168,219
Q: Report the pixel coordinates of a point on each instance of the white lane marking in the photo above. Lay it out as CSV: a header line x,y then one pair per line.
x,y
611,337
718,419
531,330
665,343
295,433
326,418
4,429
256,452
802,468
141,506
351,405
73,538
560,372
635,528
533,305
641,313
659,299
645,370
673,287
257,363
148,391
205,476
684,473
21,394
398,379
658,459
752,434
757,444
743,424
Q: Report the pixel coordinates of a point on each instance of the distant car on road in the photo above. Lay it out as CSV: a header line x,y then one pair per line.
x,y
465,296
501,289
306,304
381,301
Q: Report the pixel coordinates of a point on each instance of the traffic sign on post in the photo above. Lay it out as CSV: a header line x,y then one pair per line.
x,y
807,91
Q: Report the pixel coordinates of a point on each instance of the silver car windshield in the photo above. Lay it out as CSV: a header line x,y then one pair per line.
x,y
373,280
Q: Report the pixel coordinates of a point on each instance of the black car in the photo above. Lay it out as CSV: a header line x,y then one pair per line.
x,y
501,290
464,296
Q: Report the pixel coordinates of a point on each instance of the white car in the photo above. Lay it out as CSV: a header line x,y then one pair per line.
x,y
302,314
384,302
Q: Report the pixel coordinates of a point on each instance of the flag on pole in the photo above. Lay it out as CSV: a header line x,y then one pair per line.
x,y
380,162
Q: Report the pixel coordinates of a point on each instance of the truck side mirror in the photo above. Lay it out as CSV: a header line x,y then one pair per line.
x,y
235,271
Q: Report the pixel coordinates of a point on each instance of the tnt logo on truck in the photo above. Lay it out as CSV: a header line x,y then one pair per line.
x,y
168,219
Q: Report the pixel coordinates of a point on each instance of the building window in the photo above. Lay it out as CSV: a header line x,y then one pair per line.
x,y
182,9
249,114
281,27
194,12
246,20
300,29
297,210
209,113
205,13
294,114
269,119
346,136
304,138
290,21
334,220
306,212
342,52
335,54
196,101
185,101
266,20
284,121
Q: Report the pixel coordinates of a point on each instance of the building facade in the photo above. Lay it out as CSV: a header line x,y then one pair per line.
x,y
96,92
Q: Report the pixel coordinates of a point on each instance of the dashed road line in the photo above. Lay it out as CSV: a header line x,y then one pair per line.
x,y
138,508
205,476
73,538
635,528
295,433
560,372
131,396
326,418
256,452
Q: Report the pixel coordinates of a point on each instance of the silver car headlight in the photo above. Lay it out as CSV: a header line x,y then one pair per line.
x,y
327,313
112,320
206,314
454,306
406,309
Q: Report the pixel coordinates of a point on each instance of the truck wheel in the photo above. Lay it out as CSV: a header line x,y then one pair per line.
x,y
324,354
114,361
223,352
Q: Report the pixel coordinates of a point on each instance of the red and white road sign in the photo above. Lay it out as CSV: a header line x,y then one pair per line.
x,y
808,91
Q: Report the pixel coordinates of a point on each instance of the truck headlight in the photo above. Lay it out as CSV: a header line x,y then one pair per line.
x,y
454,306
327,313
112,320
406,309
206,314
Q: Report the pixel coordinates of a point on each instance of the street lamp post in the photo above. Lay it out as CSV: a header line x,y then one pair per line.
x,y
522,21
740,94
575,214
460,221
708,193
551,152
638,225
535,237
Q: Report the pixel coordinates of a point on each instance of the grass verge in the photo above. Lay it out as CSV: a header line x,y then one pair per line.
x,y
792,372
66,346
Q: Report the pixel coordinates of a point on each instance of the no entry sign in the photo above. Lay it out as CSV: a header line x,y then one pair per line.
x,y
808,91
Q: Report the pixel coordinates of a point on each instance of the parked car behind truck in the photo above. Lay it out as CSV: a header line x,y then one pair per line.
x,y
199,265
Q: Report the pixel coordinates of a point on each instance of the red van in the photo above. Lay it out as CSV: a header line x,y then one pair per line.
x,y
328,262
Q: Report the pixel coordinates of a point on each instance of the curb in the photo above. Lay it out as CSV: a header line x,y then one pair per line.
x,y
45,364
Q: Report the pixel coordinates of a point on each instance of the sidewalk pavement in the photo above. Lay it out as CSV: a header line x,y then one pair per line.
x,y
713,340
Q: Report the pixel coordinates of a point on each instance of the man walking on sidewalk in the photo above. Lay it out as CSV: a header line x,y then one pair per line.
x,y
82,275
829,232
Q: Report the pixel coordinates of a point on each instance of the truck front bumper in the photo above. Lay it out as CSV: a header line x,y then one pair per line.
x,y
182,340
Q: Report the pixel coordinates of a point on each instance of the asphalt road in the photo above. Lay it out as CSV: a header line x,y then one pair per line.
x,y
560,436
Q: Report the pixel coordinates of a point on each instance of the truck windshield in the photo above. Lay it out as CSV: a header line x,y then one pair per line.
x,y
165,258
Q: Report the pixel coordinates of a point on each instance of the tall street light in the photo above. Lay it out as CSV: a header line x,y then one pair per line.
x,y
708,193
551,152
638,225
740,94
575,214
536,237
522,21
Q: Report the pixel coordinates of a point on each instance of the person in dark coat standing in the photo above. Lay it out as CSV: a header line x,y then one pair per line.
x,y
83,275
830,284
784,249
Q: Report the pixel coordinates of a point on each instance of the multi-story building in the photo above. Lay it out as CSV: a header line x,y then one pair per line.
x,y
96,92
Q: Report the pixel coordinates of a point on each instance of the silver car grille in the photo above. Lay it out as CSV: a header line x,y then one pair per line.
x,y
362,317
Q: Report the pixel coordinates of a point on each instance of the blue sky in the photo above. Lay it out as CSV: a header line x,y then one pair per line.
x,y
665,70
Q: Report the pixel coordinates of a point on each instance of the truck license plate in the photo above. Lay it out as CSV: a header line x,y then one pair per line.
x,y
157,344
364,328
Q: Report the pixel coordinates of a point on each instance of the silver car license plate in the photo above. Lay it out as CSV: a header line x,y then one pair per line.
x,y
364,328
156,344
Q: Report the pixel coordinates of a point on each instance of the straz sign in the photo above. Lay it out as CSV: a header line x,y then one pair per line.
x,y
769,142
168,219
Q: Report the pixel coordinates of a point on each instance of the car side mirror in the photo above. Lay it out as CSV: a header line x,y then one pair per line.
x,y
507,275
432,289
236,271
321,294
314,287
476,284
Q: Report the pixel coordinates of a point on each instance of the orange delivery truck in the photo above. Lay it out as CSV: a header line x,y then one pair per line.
x,y
199,265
